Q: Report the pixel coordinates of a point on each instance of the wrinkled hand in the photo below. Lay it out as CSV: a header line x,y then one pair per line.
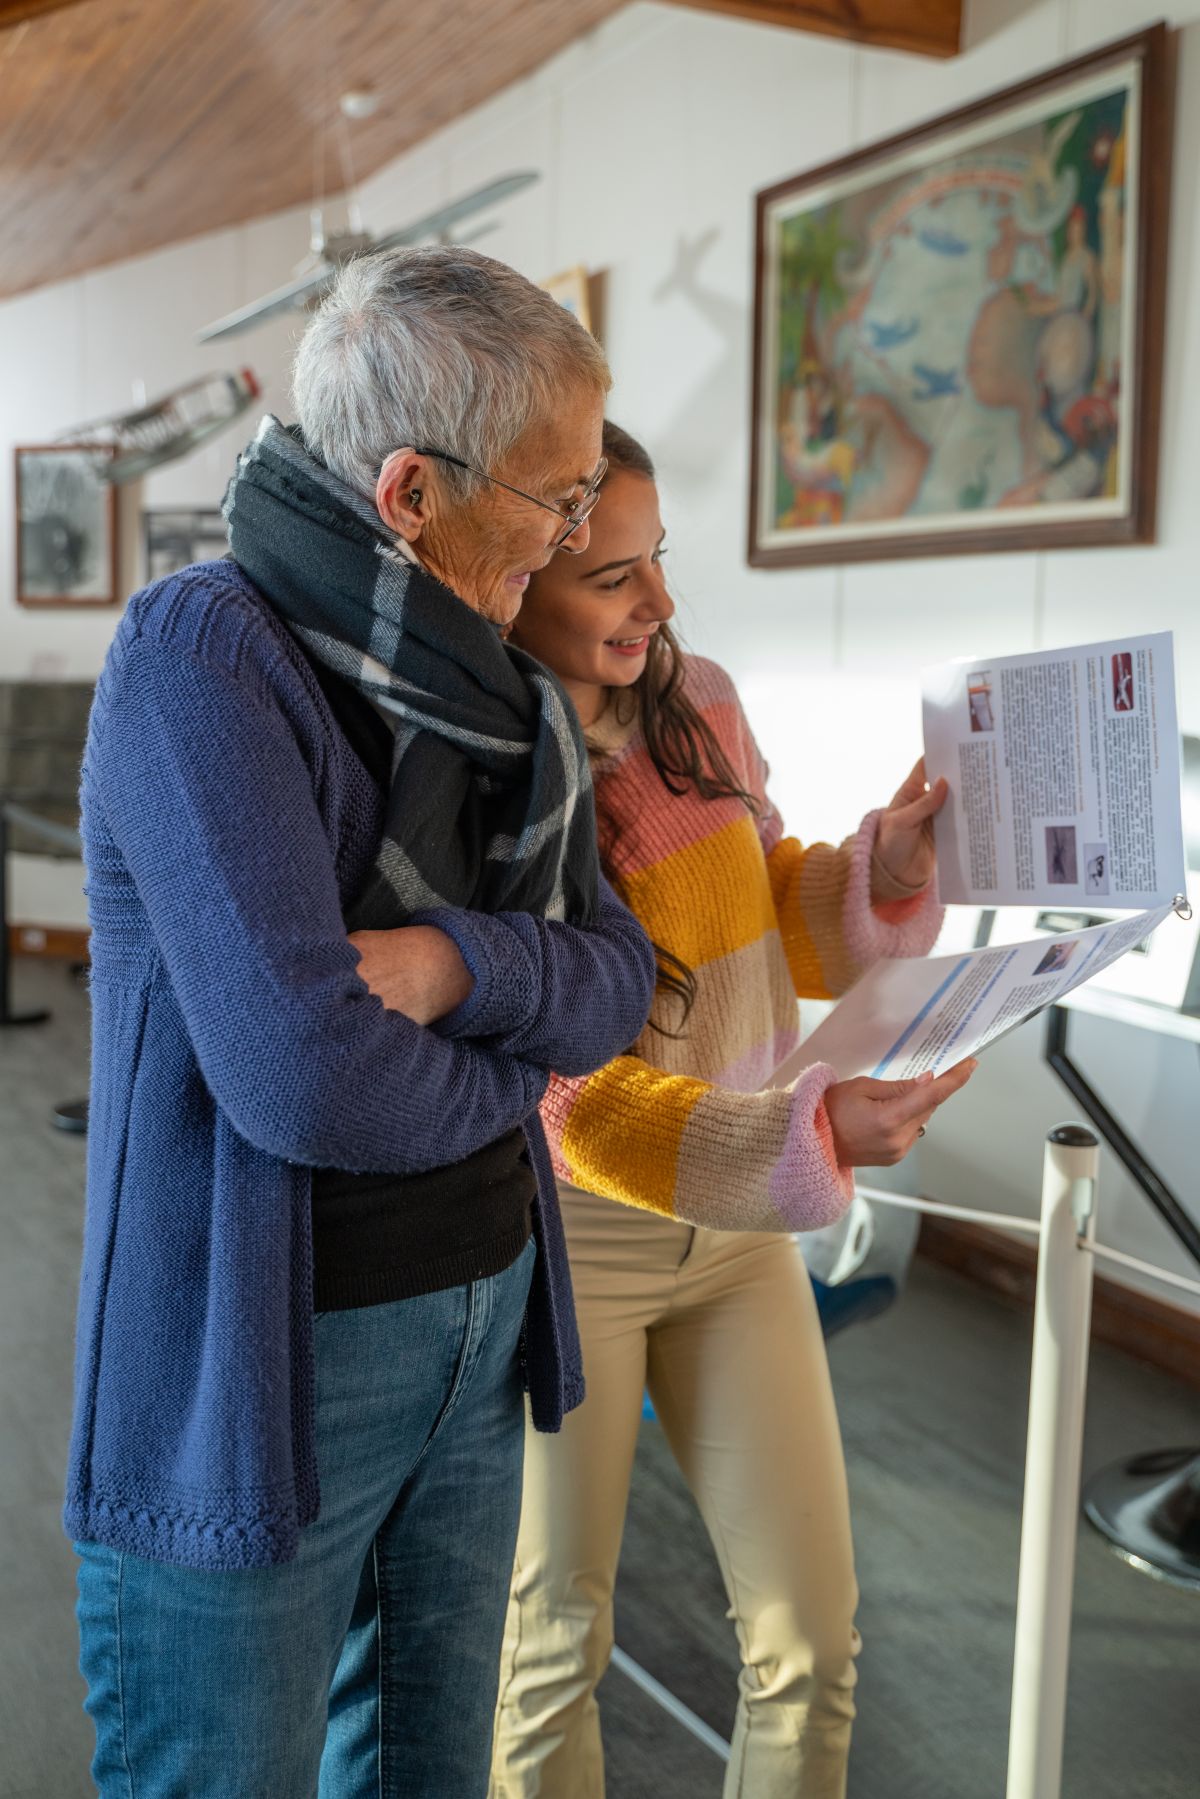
x,y
876,1123
904,843
415,969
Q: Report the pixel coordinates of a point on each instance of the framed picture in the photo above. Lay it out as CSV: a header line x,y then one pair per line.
x,y
572,290
66,526
958,332
173,539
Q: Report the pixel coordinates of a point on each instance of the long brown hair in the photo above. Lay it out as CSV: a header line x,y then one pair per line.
x,y
679,741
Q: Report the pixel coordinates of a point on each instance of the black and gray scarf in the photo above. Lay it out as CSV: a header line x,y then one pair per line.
x,y
490,804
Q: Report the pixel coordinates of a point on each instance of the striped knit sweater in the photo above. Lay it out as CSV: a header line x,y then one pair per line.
x,y
679,1125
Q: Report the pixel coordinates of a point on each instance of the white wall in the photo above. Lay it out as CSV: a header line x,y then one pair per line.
x,y
653,133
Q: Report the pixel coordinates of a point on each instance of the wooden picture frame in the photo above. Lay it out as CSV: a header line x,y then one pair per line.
x,y
572,290
958,330
66,525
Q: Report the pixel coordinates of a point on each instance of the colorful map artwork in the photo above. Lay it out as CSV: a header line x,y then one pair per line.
x,y
949,340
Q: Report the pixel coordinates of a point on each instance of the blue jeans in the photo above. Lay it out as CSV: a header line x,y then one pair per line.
x,y
369,1665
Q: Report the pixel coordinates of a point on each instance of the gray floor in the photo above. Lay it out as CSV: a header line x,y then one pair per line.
x,y
933,1405
932,1398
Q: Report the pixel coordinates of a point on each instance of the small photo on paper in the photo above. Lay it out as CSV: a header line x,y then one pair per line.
x,y
979,700
1122,682
1095,867
1062,858
1056,957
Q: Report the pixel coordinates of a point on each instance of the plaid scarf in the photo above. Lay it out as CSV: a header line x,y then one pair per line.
x,y
490,804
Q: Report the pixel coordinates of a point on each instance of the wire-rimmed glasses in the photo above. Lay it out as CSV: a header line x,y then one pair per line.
x,y
574,514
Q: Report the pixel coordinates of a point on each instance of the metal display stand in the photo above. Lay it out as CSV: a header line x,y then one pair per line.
x,y
1062,1317
1148,1506
1057,1396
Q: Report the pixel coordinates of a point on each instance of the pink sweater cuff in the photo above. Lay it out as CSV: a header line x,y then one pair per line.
x,y
808,1187
900,927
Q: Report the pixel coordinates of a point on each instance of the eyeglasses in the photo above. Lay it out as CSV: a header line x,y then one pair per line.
x,y
574,515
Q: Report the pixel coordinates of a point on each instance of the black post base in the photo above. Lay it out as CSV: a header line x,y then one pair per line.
x,y
1149,1509
71,1115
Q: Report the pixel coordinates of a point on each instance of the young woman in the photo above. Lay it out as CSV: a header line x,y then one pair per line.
x,y
693,1287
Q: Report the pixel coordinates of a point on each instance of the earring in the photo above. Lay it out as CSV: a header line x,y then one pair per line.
x,y
414,496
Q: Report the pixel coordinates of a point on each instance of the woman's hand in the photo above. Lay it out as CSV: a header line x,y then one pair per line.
x,y
904,841
415,969
876,1123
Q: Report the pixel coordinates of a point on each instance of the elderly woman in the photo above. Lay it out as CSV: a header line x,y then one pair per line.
x,y
307,1312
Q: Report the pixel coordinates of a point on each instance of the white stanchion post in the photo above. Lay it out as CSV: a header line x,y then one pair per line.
x,y
1049,1518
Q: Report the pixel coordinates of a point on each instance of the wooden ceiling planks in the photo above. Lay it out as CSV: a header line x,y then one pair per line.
x,y
929,27
126,125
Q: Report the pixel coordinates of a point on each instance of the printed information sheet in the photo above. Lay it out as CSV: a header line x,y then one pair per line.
x,y
903,1017
1064,776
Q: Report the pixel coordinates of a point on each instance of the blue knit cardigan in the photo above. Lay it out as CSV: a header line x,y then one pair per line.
x,y
227,823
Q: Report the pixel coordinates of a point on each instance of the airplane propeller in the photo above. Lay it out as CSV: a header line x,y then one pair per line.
x,y
317,273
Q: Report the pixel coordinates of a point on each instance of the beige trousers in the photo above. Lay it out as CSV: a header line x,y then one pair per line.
x,y
722,1328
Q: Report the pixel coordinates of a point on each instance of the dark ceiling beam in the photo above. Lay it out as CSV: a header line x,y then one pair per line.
x,y
928,27
15,12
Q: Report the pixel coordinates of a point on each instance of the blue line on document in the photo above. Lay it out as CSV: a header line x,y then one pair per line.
x,y
926,1009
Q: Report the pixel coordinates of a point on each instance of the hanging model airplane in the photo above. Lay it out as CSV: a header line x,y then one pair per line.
x,y
169,427
326,255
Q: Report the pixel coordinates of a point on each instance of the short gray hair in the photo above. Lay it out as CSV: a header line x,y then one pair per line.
x,y
438,347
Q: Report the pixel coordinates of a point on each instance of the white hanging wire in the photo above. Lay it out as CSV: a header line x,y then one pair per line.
x,y
319,165
316,212
353,210
335,84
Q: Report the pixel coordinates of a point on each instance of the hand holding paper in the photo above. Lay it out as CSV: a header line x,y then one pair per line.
x,y
875,1123
1063,769
1054,778
905,842
903,1018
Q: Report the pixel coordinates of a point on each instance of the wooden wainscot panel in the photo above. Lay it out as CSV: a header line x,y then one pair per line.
x,y
1165,1335
57,941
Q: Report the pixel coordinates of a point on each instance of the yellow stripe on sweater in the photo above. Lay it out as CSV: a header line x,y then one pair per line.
x,y
623,1134
707,898
809,887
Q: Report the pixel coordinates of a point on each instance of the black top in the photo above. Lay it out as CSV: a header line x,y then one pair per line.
x,y
381,1237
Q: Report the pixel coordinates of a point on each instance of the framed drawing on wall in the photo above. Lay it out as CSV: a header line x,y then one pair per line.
x,y
958,331
66,526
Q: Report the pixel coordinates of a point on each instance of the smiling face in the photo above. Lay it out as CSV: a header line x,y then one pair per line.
x,y
590,617
487,547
